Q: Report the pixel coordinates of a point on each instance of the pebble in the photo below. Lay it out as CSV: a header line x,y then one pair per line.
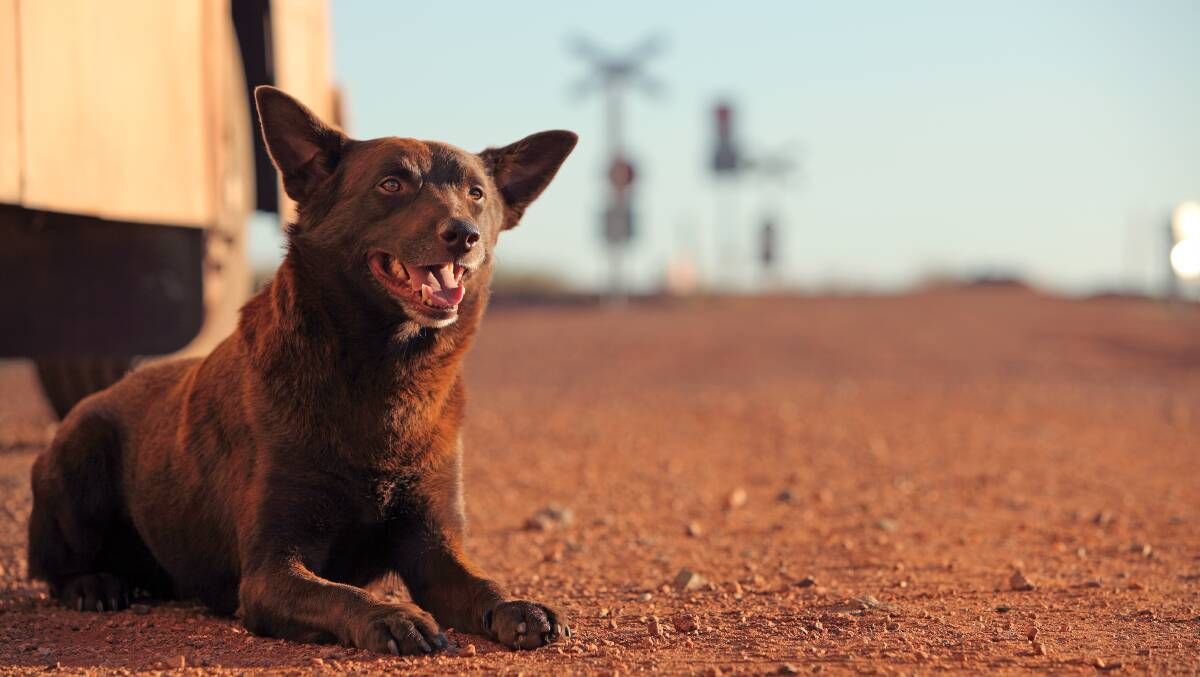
x,y
1020,582
786,496
736,499
684,622
549,518
694,529
469,650
654,627
687,579
806,582
787,669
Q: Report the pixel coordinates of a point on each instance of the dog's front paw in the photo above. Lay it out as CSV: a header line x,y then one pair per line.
x,y
400,629
95,592
525,625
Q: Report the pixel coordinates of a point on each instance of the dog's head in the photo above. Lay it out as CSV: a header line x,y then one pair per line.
x,y
410,222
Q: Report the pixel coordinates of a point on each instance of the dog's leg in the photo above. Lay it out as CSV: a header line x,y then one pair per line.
x,y
441,579
282,594
429,557
76,507
289,601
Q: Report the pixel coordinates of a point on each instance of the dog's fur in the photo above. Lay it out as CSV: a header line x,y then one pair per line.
x,y
317,449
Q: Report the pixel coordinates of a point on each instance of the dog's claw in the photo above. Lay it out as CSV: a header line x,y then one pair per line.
x,y
442,642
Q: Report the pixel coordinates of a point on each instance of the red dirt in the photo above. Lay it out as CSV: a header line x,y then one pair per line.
x,y
909,452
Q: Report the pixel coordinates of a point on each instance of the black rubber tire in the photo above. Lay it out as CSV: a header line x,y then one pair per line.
x,y
67,381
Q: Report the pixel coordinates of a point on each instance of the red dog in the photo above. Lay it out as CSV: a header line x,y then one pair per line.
x,y
317,449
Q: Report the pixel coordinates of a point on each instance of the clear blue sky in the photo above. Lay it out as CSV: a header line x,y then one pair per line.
x,y
1038,136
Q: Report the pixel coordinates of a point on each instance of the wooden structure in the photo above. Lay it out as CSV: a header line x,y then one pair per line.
x,y
116,115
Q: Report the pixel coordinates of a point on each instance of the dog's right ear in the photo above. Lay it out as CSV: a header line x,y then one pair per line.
x,y
305,150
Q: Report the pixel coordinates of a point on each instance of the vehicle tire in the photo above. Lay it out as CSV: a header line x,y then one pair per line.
x,y
69,380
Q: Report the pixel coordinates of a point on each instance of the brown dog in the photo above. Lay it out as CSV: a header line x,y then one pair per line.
x,y
317,449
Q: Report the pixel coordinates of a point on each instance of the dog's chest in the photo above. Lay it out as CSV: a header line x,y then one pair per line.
x,y
391,495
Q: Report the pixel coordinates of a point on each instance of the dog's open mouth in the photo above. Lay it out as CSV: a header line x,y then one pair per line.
x,y
434,289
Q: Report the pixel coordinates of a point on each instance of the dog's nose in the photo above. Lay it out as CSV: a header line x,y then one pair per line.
x,y
459,235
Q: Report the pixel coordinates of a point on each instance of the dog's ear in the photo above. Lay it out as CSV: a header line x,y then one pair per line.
x,y
305,150
522,170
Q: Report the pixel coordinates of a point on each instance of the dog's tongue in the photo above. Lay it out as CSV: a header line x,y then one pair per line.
x,y
444,288
449,297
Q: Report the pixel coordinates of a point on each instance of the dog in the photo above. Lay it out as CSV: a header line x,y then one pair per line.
x,y
317,450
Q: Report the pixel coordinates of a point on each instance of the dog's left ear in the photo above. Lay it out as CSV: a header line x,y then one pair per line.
x,y
305,150
522,170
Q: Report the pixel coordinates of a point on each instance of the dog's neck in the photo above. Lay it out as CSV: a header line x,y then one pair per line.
x,y
313,338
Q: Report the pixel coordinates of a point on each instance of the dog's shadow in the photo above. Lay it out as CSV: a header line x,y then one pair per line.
x,y
35,632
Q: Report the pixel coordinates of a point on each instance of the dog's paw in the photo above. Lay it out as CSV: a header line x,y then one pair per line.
x,y
402,630
525,625
94,592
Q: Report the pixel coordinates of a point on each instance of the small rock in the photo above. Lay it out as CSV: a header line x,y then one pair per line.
x,y
140,609
1142,549
1003,608
687,579
654,627
1020,582
549,518
694,529
469,650
787,669
736,499
806,582
684,622
1102,664
893,626
646,596
786,496
888,525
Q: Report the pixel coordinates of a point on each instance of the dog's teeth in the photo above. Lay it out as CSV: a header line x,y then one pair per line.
x,y
426,294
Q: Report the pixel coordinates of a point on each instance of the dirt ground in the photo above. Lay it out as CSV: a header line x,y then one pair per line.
x,y
854,483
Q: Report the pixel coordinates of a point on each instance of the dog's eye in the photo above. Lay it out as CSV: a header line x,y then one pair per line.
x,y
476,193
390,185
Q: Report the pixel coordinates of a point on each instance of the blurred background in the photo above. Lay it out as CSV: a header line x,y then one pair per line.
x,y
810,148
